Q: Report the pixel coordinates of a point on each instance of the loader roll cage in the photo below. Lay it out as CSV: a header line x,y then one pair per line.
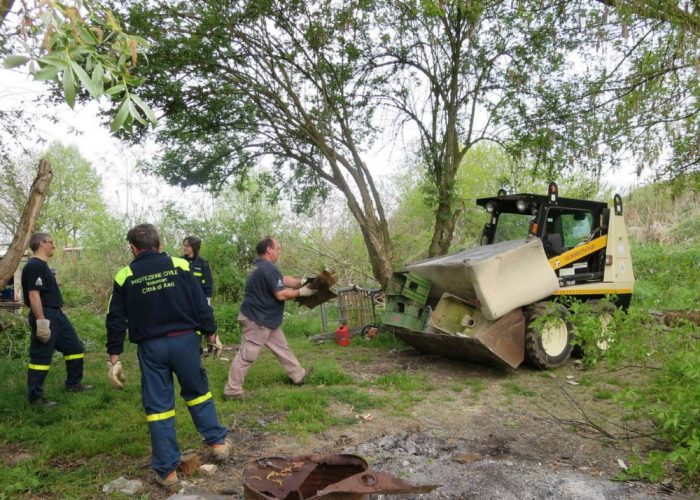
x,y
561,223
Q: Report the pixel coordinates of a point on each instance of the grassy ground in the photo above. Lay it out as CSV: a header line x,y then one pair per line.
x,y
91,438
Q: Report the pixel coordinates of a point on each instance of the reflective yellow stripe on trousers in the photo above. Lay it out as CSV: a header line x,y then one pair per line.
x,y
160,416
74,356
200,399
42,368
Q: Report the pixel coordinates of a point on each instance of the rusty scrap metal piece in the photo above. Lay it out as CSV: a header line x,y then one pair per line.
x,y
375,482
311,477
323,283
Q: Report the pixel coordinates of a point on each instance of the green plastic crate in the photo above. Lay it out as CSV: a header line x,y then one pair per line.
x,y
406,321
410,286
404,313
396,283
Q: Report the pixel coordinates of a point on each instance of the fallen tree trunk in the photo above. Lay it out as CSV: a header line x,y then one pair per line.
x,y
671,317
37,195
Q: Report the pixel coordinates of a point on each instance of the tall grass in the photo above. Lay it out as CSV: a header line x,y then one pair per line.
x,y
667,395
666,213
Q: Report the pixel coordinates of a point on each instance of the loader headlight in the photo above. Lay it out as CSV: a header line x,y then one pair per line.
x,y
521,205
490,207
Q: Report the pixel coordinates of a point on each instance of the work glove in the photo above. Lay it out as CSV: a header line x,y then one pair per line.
x,y
215,345
306,291
116,374
43,330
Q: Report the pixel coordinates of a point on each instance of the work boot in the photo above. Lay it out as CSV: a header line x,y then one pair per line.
x,y
307,372
244,396
79,388
169,482
221,451
42,401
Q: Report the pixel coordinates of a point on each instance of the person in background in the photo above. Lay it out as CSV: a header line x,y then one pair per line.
x,y
199,267
159,301
51,329
260,317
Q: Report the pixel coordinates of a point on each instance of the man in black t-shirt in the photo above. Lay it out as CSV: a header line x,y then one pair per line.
x,y
261,317
51,329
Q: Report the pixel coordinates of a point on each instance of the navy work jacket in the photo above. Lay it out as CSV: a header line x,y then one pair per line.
x,y
201,270
155,295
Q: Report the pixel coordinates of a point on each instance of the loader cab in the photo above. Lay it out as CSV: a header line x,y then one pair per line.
x,y
561,223
585,242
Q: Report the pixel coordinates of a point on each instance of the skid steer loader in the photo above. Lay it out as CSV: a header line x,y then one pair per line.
x,y
483,304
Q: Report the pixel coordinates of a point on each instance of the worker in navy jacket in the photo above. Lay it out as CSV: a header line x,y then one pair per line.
x,y
199,267
161,304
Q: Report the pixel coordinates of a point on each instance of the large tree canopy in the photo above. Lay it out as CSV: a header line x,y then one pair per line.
x,y
244,83
629,93
295,87
459,68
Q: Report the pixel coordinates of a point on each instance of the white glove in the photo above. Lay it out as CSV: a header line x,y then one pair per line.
x,y
116,374
306,291
43,330
216,347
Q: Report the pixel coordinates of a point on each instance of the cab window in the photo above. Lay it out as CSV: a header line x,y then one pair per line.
x,y
565,229
512,227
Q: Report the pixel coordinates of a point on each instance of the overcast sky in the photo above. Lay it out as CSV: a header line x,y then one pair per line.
x,y
125,188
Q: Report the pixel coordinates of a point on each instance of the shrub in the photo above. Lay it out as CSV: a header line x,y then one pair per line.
x,y
14,335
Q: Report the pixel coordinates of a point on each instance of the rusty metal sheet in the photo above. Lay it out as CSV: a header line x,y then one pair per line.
x,y
375,482
323,282
502,343
311,477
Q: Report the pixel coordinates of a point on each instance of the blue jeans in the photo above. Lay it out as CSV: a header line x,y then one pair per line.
x,y
159,358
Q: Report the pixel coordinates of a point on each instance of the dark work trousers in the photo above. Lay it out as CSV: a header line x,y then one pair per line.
x,y
159,358
64,340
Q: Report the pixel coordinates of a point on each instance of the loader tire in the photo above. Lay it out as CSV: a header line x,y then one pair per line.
x,y
550,347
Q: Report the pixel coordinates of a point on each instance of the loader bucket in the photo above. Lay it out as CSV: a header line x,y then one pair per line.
x,y
502,277
458,329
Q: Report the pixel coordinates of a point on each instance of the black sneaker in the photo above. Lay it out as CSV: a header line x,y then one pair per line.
x,y
42,401
79,388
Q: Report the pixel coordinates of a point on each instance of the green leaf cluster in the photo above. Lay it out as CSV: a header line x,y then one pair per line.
x,y
82,48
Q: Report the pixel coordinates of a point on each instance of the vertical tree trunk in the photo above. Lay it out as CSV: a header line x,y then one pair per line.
x,y
379,251
375,234
37,194
445,221
449,207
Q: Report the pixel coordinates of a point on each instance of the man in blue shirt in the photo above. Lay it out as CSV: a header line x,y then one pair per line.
x,y
51,329
159,301
260,318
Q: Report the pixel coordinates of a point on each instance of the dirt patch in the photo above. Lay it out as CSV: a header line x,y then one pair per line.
x,y
12,454
522,434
